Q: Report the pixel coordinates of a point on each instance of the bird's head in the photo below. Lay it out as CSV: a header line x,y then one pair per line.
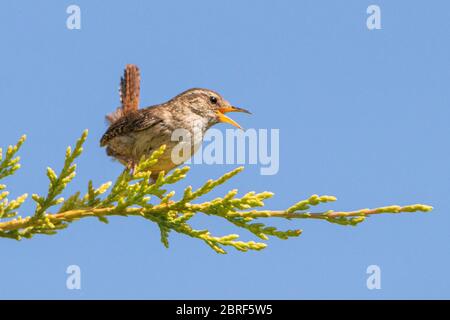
x,y
209,104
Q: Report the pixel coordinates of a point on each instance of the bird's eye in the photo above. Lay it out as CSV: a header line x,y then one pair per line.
x,y
213,100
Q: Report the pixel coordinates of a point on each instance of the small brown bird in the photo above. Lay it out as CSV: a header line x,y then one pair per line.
x,y
135,133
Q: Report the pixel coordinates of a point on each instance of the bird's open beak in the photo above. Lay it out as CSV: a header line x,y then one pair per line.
x,y
223,118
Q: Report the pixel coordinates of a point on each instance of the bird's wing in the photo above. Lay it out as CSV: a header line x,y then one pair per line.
x,y
129,93
132,122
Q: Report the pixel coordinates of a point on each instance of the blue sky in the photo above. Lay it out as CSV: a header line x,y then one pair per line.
x,y
363,115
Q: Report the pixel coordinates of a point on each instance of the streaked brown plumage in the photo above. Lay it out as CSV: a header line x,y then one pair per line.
x,y
134,133
129,93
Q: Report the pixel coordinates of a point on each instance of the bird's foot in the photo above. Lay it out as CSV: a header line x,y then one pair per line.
x,y
132,166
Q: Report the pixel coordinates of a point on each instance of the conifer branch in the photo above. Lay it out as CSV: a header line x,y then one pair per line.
x,y
133,194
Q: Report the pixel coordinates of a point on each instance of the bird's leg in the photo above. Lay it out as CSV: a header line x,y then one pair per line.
x,y
131,166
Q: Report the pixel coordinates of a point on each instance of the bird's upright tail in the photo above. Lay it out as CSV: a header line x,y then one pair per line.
x,y
129,93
